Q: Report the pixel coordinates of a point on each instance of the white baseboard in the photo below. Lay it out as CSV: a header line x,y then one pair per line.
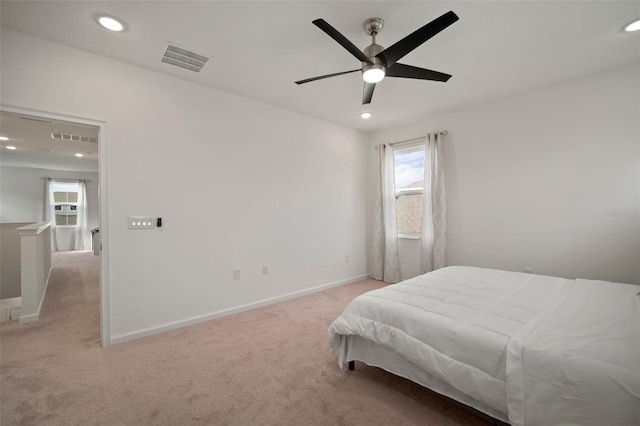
x,y
36,316
126,337
29,318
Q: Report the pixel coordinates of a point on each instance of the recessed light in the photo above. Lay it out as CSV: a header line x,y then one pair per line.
x,y
365,115
4,138
633,26
79,154
110,23
10,147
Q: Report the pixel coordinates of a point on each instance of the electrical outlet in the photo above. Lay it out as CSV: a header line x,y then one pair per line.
x,y
265,269
347,259
236,274
141,222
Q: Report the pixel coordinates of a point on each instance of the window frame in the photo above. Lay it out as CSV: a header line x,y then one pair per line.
x,y
67,203
406,147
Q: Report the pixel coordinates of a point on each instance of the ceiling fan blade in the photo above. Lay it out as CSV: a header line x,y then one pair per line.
x,y
325,76
342,40
395,52
408,71
367,92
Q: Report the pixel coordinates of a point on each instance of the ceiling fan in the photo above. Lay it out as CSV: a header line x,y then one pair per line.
x,y
378,62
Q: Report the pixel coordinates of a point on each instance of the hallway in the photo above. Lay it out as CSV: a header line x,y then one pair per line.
x,y
36,355
70,312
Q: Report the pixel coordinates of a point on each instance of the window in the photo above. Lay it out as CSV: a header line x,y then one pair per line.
x,y
65,196
409,176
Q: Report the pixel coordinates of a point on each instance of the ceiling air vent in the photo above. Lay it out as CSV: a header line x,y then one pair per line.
x,y
183,58
76,138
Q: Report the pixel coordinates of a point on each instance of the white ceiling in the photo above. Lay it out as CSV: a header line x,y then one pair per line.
x,y
496,49
37,149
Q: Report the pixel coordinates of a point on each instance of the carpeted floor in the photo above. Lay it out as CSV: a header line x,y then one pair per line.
x,y
269,366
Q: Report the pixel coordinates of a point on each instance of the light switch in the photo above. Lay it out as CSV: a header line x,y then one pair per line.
x,y
142,222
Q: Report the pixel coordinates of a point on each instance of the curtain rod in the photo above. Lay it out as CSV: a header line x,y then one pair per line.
x,y
441,132
66,180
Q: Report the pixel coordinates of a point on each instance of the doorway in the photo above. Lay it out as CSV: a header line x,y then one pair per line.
x,y
62,147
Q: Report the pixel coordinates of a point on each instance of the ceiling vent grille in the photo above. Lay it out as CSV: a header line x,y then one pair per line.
x,y
75,138
183,58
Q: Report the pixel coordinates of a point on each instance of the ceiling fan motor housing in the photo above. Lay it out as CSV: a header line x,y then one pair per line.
x,y
376,63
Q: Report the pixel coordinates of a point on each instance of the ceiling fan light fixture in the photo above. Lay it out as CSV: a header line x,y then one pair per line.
x,y
632,26
373,73
375,59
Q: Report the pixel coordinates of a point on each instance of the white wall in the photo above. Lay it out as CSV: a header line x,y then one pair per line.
x,y
21,190
10,284
238,184
530,179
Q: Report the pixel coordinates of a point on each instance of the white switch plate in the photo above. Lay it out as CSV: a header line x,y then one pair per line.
x,y
265,269
236,274
142,222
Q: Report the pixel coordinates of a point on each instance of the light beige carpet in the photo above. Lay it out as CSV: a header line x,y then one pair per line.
x,y
269,366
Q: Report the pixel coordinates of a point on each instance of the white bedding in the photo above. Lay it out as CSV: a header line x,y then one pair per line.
x,y
579,364
457,323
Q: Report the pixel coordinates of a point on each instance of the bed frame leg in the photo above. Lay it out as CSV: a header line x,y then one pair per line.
x,y
352,365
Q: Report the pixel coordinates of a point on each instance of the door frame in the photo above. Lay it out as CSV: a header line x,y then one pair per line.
x,y
103,206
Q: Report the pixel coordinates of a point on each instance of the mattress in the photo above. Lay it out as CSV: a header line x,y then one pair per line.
x,y
454,323
522,348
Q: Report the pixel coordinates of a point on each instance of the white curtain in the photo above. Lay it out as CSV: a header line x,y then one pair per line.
x,y
384,255
82,235
434,211
49,211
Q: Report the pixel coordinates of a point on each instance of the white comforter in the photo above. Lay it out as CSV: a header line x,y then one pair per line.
x,y
579,363
459,324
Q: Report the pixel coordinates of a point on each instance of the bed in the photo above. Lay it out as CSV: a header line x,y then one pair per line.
x,y
522,348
